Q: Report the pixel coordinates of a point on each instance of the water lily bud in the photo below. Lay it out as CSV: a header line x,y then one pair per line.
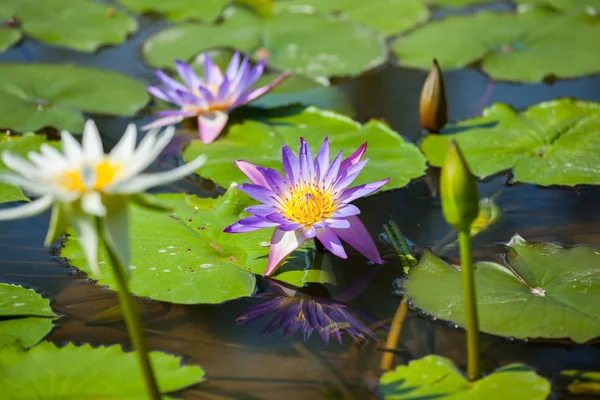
x,y
458,190
433,109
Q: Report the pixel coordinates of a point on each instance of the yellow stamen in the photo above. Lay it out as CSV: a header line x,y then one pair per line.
x,y
105,173
308,204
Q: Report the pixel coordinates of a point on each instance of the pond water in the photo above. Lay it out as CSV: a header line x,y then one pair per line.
x,y
240,363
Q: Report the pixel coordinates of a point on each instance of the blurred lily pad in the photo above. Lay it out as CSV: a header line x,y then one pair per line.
x,y
435,377
8,37
34,96
583,382
542,290
385,16
589,6
25,316
20,145
79,24
552,143
528,46
185,257
313,45
48,372
457,3
179,10
260,143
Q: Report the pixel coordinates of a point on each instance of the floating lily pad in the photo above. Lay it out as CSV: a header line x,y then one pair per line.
x,y
260,143
8,37
33,96
435,377
25,316
184,256
71,372
552,143
179,10
458,3
583,382
314,45
528,46
542,290
385,16
589,6
80,24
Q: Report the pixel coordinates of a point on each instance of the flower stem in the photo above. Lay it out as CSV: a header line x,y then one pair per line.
x,y
131,315
470,299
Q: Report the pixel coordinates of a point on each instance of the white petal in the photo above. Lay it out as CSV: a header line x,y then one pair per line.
x,y
85,226
142,159
140,183
20,165
91,203
53,156
92,144
123,151
27,210
71,148
38,188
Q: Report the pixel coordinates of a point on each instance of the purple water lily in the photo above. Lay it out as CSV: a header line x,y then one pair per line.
x,y
311,200
211,98
292,310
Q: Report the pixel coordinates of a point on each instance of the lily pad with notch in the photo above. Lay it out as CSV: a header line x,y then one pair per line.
x,y
552,143
46,372
435,377
25,316
34,96
79,24
542,290
183,256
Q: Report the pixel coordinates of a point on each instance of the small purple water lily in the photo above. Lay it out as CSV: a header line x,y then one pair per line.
x,y
292,310
310,201
211,98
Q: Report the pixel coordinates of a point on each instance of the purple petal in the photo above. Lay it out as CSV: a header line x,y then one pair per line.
x,y
257,222
358,237
309,231
338,223
275,180
186,98
322,160
251,171
345,210
291,165
252,95
349,176
241,74
261,210
332,172
361,190
259,193
207,95
210,125
212,73
331,242
254,74
233,66
307,166
282,245
278,218
160,94
175,113
289,227
187,74
223,93
166,121
168,82
239,228
353,158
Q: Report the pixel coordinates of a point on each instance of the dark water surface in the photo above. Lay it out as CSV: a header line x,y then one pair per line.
x,y
239,363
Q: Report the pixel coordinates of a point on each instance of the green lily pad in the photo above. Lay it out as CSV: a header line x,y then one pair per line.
x,y
33,96
19,145
183,256
79,24
542,290
589,6
47,372
528,46
457,3
435,377
313,45
260,143
385,16
25,316
8,37
552,143
583,382
179,10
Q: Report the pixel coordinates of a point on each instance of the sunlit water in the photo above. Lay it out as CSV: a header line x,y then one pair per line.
x,y
240,364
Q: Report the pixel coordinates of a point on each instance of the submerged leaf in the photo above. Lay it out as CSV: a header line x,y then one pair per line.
x,y
543,290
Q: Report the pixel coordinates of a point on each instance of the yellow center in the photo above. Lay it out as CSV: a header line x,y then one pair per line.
x,y
308,204
214,106
104,171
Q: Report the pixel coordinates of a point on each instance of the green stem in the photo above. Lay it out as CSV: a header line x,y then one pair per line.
x,y
131,314
468,278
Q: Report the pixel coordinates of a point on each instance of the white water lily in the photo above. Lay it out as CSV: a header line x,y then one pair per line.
x,y
86,187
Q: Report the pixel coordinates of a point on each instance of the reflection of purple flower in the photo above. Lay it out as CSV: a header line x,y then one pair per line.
x,y
210,98
293,311
310,200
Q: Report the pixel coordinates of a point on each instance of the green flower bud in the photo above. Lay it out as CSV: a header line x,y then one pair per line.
x,y
433,109
458,189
